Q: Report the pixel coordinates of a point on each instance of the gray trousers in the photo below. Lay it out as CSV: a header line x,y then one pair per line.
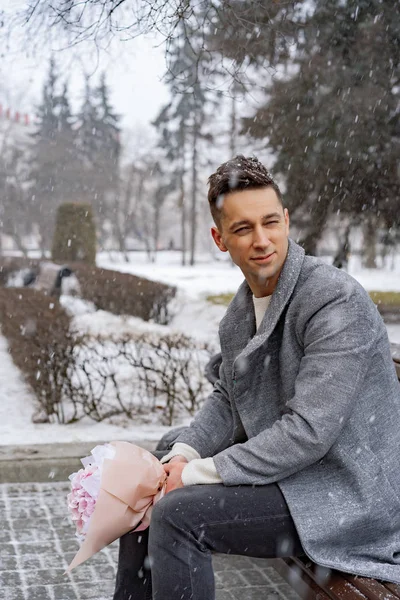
x,y
172,559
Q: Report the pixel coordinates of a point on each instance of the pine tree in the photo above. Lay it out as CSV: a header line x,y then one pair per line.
x,y
99,145
333,124
54,165
182,122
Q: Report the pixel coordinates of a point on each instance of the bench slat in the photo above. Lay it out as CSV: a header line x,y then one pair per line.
x,y
393,587
397,365
371,588
330,581
299,580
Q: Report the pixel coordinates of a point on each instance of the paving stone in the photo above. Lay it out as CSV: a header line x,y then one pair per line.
x,y
223,595
9,579
44,576
64,592
40,592
254,593
84,573
255,577
101,591
287,592
4,536
25,535
229,579
6,550
273,576
13,593
8,563
30,561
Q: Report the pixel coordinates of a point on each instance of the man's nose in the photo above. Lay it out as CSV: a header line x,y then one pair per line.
x,y
260,237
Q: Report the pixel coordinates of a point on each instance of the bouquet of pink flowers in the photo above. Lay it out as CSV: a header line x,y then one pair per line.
x,y
112,495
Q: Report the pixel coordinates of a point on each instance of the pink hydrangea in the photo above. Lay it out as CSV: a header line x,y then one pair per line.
x,y
80,503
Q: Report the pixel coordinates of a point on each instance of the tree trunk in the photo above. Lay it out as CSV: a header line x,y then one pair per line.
x,y
233,129
193,216
369,243
315,228
183,216
182,193
121,243
156,229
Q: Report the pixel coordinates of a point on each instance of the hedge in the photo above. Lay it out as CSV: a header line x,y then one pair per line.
x,y
75,234
125,294
37,330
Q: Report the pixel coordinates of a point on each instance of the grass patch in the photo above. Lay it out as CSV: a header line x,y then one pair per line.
x,y
222,299
391,299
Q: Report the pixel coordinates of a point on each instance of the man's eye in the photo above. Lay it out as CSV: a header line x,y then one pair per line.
x,y
242,230
272,222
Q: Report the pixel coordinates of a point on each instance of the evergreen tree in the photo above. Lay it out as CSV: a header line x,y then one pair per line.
x,y
54,164
334,123
182,124
99,145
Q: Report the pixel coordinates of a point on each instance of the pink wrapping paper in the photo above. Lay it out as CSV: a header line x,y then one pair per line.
x,y
130,484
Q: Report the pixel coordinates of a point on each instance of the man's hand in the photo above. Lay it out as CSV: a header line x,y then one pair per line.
x,y
178,458
174,470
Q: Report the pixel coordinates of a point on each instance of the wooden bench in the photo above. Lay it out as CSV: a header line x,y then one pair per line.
x,y
311,581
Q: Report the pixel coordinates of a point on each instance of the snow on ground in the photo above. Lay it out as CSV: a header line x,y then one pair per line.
x,y
208,276
192,315
17,404
215,277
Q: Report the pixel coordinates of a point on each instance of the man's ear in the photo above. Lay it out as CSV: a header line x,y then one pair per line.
x,y
217,237
287,220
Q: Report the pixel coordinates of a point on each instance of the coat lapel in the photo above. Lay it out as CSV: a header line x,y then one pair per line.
x,y
237,329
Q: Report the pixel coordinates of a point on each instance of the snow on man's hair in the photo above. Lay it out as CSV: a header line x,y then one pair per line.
x,y
239,173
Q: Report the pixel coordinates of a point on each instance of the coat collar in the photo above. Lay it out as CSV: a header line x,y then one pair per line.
x,y
237,328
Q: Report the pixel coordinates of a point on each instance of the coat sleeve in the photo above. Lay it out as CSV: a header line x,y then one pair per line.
x,y
213,428
338,335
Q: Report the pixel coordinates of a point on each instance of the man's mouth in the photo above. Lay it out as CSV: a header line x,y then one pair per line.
x,y
265,258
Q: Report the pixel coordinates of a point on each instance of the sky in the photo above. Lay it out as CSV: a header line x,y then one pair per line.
x,y
134,70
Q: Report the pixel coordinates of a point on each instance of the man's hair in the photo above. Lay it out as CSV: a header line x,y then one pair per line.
x,y
239,173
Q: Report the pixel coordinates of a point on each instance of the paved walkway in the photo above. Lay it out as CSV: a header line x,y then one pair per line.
x,y
37,543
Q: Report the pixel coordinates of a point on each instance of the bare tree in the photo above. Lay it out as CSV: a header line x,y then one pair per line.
x,y
15,218
228,27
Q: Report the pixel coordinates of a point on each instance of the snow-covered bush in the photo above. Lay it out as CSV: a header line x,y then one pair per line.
x,y
37,330
125,294
155,376
146,377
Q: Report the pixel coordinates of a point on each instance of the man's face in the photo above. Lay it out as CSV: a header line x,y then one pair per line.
x,y
254,230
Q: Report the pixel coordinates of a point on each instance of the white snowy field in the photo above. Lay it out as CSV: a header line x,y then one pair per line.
x,y
210,276
193,316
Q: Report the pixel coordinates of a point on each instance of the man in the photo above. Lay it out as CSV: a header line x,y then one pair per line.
x,y
297,448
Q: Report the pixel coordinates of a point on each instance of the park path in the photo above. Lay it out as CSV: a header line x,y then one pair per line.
x,y
37,543
17,402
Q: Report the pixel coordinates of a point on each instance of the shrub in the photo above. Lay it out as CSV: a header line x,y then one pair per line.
x,y
10,265
144,376
113,291
149,374
37,330
125,294
75,234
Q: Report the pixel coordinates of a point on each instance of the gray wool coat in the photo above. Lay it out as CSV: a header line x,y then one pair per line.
x,y
311,401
